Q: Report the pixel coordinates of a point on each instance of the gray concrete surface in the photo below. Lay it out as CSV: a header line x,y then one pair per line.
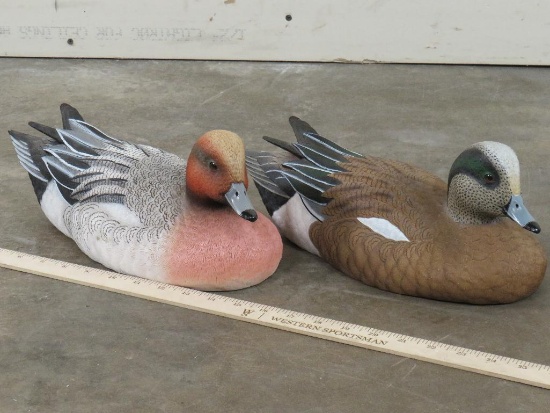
x,y
68,348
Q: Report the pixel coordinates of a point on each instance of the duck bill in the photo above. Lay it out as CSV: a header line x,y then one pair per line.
x,y
238,200
517,211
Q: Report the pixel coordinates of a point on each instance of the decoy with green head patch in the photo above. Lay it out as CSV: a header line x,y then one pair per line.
x,y
399,228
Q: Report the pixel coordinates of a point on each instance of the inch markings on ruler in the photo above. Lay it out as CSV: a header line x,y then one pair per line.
x,y
306,324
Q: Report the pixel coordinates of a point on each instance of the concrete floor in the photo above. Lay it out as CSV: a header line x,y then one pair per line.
x,y
68,348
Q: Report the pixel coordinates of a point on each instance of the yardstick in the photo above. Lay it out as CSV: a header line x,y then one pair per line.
x,y
352,334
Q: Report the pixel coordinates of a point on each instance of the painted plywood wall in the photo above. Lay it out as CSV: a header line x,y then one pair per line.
x,y
420,31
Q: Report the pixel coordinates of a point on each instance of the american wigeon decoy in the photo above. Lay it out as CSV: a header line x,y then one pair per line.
x,y
142,211
401,229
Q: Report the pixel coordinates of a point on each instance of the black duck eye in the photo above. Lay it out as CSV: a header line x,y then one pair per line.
x,y
489,178
212,165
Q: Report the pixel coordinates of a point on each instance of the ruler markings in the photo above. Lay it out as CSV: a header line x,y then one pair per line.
x,y
306,324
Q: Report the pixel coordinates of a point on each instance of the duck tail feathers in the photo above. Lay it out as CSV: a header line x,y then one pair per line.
x,y
289,147
46,130
308,137
310,173
265,170
73,156
278,181
81,137
300,127
69,113
30,153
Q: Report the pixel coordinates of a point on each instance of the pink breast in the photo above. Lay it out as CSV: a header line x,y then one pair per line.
x,y
218,250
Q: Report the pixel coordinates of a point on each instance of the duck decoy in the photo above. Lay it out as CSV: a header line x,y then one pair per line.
x,y
399,228
142,211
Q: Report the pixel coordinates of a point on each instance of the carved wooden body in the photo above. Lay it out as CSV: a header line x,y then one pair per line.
x,y
481,264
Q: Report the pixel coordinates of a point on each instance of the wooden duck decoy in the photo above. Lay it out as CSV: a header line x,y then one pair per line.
x,y
145,212
398,228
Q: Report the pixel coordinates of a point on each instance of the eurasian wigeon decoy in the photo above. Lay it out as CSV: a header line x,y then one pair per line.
x,y
401,229
142,211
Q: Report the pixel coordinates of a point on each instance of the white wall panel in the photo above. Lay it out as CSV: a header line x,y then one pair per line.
x,y
425,31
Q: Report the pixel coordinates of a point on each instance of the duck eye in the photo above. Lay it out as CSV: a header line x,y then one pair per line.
x,y
489,178
212,165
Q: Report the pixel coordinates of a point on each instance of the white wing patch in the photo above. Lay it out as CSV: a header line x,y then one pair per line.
x,y
384,227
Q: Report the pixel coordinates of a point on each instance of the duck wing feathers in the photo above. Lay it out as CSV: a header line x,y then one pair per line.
x,y
90,166
334,181
406,197
305,170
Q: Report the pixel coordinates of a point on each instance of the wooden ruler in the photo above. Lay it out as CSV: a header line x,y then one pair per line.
x,y
306,324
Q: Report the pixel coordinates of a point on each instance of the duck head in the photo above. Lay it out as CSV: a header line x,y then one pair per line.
x,y
484,184
216,171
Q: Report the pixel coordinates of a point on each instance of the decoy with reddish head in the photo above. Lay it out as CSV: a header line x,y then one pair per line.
x,y
142,211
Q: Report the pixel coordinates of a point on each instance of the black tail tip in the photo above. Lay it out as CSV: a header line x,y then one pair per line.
x,y
69,112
